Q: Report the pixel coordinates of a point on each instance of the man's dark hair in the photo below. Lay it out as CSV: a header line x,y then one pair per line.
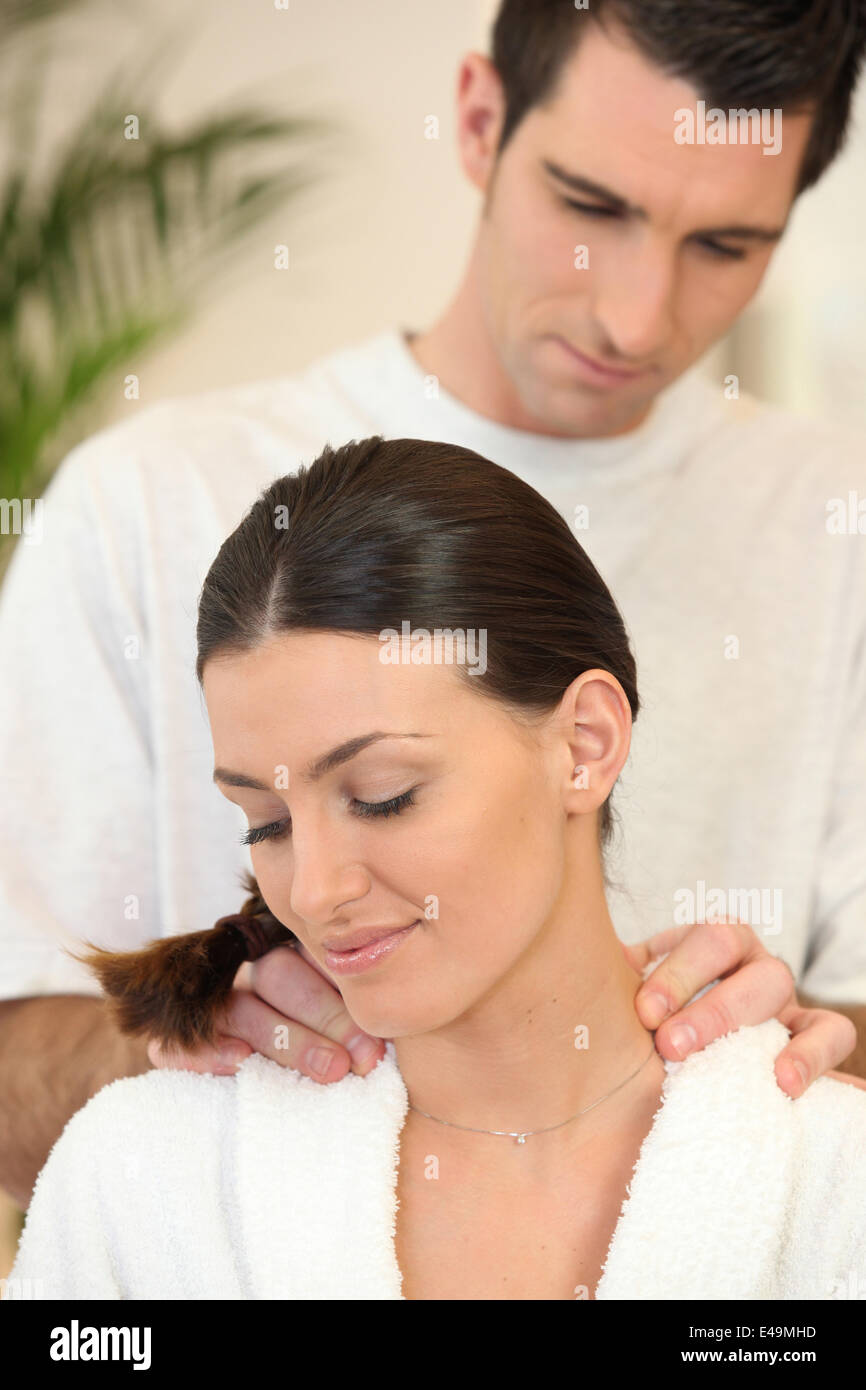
x,y
795,55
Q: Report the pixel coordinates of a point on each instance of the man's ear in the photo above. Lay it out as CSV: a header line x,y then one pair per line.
x,y
480,115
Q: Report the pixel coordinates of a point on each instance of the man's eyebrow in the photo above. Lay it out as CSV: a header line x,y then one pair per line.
x,y
579,184
326,763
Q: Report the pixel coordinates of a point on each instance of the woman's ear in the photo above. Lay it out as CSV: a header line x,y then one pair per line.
x,y
595,727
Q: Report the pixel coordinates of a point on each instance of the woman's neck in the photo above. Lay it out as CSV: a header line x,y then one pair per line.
x,y
556,1034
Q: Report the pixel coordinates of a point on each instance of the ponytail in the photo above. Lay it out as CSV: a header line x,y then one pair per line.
x,y
174,988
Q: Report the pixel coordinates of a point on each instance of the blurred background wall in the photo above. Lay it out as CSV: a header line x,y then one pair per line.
x,y
384,232
383,236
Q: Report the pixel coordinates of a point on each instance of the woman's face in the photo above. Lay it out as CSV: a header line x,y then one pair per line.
x,y
471,849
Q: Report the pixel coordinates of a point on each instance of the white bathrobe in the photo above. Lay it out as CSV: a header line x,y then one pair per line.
x,y
266,1185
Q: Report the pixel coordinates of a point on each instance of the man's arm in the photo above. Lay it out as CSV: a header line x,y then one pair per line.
x,y
76,753
56,1051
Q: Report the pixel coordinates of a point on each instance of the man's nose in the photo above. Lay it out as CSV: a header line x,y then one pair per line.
x,y
634,303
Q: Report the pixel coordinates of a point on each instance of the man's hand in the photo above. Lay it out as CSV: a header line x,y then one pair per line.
x,y
282,998
753,986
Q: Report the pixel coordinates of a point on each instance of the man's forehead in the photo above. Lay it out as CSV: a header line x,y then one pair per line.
x,y
613,120
610,92
607,73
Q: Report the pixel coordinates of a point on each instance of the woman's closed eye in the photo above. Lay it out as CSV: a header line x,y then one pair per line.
x,y
277,829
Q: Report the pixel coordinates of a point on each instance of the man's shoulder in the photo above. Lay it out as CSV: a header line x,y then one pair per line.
x,y
284,403
277,422
743,430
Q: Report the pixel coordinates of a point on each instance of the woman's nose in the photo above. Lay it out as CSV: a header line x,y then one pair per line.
x,y
326,870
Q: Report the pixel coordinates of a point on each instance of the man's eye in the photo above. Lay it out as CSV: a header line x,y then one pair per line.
x,y
593,209
277,829
715,247
719,250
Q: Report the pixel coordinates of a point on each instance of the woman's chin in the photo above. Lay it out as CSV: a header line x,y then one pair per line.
x,y
396,1018
387,1024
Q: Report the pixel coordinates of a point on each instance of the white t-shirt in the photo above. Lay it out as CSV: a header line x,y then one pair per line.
x,y
745,791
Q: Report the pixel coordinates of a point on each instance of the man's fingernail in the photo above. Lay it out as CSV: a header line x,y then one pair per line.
x,y
362,1047
801,1071
319,1060
654,1007
682,1038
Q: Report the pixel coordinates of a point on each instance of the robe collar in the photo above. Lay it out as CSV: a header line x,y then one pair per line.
x,y
702,1217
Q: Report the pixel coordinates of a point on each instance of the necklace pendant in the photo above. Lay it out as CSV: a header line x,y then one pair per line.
x,y
520,1138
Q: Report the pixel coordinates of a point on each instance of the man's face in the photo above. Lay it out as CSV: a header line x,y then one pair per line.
x,y
662,283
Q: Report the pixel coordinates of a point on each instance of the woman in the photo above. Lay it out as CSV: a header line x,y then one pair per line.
x,y
420,694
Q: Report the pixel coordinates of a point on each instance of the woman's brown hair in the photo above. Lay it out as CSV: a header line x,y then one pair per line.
x,y
367,537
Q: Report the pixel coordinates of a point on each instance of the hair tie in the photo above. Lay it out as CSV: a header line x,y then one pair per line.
x,y
257,941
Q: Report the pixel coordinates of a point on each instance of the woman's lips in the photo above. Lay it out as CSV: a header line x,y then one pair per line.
x,y
363,957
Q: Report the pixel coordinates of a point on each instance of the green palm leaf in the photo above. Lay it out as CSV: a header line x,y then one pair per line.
x,y
105,255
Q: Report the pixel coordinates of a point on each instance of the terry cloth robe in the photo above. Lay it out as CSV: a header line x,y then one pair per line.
x,y
266,1185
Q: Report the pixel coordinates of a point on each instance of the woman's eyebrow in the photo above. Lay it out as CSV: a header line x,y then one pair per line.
x,y
316,769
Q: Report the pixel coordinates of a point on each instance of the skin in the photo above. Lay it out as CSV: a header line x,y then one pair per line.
x,y
656,296
483,1000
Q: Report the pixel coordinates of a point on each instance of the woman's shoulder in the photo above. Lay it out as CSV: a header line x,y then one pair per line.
x,y
828,1101
836,1107
137,1124
811,1153
741,1067
156,1095
773,1185
815,1145
831,1138
826,1233
180,1109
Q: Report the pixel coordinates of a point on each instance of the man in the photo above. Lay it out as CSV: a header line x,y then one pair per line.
x,y
610,255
